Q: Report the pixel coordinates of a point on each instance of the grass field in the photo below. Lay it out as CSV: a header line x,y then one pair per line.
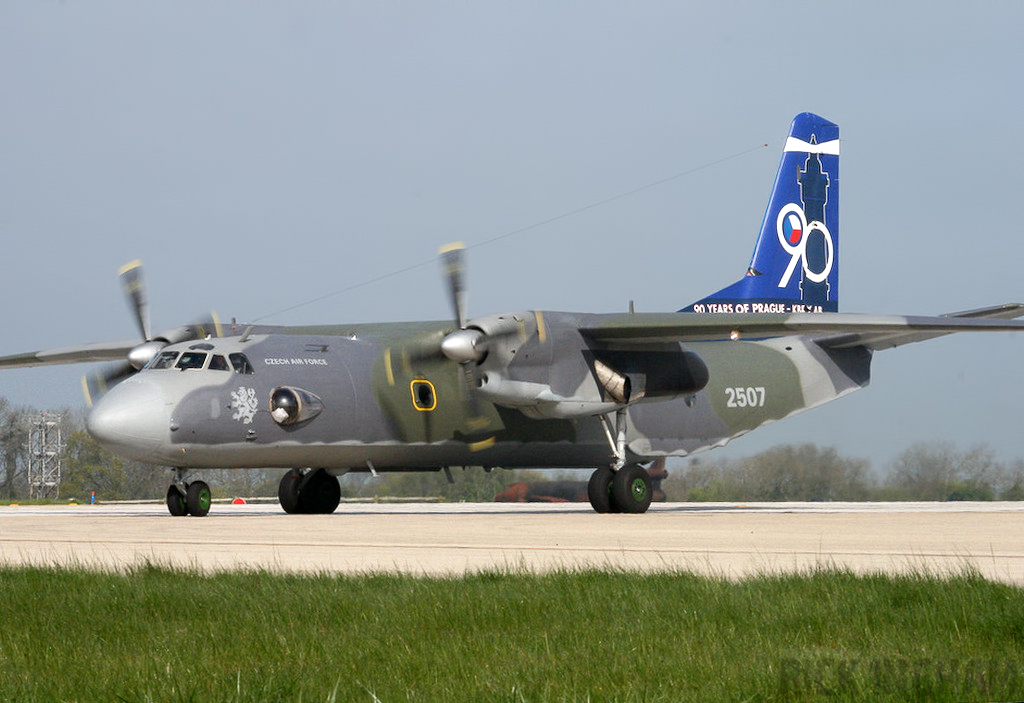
x,y
158,634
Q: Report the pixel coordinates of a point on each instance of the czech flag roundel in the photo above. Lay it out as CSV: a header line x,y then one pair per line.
x,y
792,228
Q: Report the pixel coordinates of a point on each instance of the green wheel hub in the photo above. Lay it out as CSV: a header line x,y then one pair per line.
x,y
638,489
631,489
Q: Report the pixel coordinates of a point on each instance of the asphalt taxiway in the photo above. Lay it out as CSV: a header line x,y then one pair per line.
x,y
729,540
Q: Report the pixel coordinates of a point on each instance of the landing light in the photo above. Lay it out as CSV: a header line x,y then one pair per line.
x,y
290,406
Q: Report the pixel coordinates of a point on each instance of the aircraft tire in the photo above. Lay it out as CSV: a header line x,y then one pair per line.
x,y
198,498
176,502
599,490
288,491
631,489
319,493
328,494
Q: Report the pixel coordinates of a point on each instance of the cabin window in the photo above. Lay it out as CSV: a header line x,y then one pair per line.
x,y
240,363
218,363
164,360
191,360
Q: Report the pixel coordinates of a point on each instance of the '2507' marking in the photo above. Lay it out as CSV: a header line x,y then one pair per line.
x,y
744,397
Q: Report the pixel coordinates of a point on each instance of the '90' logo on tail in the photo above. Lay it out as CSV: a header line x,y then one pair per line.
x,y
794,230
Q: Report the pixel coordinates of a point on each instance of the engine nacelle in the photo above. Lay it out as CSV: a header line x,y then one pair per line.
x,y
538,401
631,376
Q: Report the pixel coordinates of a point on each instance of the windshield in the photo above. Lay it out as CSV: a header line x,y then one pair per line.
x,y
240,363
191,360
163,360
196,360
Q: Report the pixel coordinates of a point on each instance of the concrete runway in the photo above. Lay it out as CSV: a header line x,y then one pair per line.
x,y
452,539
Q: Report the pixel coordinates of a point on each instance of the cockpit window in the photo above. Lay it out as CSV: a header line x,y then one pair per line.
x,y
219,363
191,360
240,363
163,360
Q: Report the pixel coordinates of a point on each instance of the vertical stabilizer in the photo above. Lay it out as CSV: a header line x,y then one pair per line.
x,y
795,267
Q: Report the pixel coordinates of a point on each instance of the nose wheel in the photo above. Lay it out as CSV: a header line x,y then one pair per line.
x,y
188,498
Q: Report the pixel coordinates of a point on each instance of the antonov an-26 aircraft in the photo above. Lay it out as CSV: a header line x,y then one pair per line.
x,y
518,389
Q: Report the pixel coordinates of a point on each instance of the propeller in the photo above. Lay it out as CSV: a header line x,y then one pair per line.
x,y
96,383
465,346
99,382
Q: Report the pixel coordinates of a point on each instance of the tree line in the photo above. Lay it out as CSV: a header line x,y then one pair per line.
x,y
806,472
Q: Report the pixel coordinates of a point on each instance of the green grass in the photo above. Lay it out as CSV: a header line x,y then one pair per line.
x,y
170,635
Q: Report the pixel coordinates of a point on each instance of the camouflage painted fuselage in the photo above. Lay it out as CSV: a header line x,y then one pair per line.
x,y
386,399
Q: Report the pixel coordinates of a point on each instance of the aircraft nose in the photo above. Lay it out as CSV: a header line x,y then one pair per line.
x,y
132,420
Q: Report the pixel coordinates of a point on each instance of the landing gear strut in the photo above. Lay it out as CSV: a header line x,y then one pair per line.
x,y
621,487
313,491
627,490
187,498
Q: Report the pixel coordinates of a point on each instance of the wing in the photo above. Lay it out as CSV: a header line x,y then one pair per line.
x,y
101,351
967,321
835,330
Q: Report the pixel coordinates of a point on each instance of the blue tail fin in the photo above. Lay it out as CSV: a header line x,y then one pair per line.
x,y
795,267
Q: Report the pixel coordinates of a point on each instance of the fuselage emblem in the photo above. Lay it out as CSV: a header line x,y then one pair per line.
x,y
244,403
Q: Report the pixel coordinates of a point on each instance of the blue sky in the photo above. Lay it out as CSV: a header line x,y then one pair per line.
x,y
259,155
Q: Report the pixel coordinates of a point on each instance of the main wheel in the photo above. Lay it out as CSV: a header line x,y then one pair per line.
x,y
599,490
319,493
288,491
631,489
198,498
327,493
176,502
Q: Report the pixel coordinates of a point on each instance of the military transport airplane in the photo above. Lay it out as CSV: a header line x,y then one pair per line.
x,y
518,389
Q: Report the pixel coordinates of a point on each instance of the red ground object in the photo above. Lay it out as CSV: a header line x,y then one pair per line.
x,y
570,491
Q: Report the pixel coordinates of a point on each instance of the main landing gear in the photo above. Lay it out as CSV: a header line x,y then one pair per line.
x,y
309,491
627,490
621,487
188,498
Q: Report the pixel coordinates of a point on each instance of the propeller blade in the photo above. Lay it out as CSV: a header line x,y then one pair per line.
x,y
454,268
467,347
135,289
208,326
95,384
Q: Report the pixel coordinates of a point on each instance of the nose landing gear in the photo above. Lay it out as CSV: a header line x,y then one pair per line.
x,y
188,498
